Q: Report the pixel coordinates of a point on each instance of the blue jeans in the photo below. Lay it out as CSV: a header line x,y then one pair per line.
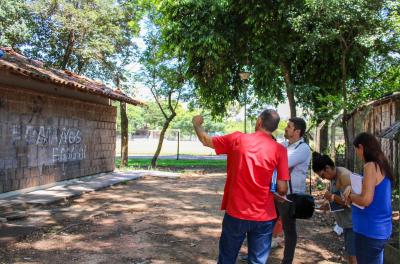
x,y
369,250
234,230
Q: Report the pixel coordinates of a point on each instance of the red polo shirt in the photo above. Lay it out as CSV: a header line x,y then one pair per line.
x,y
252,159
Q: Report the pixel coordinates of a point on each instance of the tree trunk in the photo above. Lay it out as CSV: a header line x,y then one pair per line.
x,y
81,64
345,117
124,135
68,50
323,137
289,88
161,140
334,124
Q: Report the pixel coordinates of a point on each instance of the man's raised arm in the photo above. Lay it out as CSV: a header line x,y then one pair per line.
x,y
201,134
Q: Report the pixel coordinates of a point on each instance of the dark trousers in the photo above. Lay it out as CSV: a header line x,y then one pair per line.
x,y
234,231
369,250
285,211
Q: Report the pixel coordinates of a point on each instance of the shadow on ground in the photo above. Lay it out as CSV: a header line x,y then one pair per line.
x,y
151,220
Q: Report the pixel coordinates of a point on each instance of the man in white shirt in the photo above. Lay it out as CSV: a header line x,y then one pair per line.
x,y
299,156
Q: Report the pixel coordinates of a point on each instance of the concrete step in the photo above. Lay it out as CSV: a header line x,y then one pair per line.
x,y
18,206
13,207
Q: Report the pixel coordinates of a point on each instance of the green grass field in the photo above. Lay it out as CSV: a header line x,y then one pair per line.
x,y
173,163
144,146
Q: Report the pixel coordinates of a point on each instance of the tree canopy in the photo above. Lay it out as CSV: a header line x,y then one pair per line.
x,y
81,35
15,23
294,49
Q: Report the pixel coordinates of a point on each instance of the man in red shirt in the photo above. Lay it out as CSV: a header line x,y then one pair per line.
x,y
247,201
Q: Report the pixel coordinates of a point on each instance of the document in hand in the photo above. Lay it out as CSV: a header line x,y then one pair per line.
x,y
356,186
282,197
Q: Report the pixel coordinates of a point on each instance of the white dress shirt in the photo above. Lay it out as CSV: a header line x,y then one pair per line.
x,y
299,156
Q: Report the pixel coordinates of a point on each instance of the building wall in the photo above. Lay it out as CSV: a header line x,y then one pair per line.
x,y
45,138
375,119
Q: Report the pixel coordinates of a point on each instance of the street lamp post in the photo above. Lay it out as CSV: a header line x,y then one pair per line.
x,y
244,76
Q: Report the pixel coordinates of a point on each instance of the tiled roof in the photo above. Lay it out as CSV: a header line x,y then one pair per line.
x,y
18,64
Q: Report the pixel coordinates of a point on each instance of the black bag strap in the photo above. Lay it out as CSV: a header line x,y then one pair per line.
x,y
290,186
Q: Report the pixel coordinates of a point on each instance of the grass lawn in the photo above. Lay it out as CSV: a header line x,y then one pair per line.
x,y
148,147
173,163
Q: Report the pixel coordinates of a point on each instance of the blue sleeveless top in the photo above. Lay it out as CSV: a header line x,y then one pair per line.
x,y
375,220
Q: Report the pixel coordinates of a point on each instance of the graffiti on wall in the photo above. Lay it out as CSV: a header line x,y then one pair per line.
x,y
64,144
65,154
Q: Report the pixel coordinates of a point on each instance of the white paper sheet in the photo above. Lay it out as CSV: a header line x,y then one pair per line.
x,y
356,186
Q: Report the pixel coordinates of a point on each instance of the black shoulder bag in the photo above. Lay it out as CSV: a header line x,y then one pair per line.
x,y
303,204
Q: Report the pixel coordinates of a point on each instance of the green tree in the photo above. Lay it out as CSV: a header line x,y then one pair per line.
x,y
220,39
305,50
203,33
15,23
76,34
353,31
135,118
183,120
148,117
120,81
116,65
164,72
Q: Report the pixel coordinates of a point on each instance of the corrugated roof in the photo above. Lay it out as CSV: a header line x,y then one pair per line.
x,y
18,64
377,102
391,132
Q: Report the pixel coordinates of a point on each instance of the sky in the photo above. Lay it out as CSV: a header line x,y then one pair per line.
x,y
284,110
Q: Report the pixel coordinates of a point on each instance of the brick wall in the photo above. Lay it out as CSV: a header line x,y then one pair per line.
x,y
44,139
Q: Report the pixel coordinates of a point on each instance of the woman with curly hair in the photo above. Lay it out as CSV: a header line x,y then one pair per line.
x,y
339,178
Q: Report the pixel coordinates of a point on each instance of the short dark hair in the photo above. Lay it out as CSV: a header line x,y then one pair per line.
x,y
269,120
319,162
299,124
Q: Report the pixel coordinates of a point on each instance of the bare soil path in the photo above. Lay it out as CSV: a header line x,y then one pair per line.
x,y
152,221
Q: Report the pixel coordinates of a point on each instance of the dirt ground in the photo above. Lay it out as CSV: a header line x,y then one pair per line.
x,y
152,221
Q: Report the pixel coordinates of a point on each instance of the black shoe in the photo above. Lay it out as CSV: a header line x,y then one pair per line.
x,y
243,257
